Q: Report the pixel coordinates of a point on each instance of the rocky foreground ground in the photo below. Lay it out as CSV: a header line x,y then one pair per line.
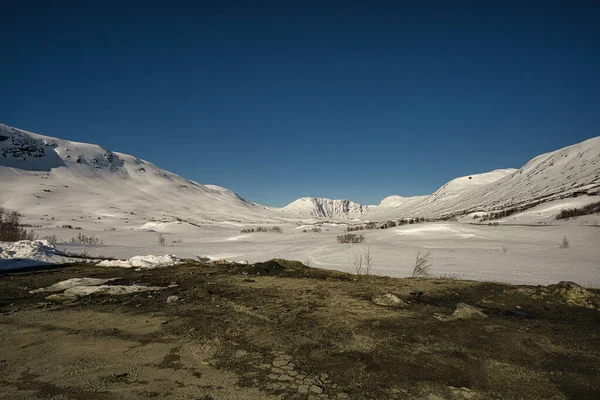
x,y
281,330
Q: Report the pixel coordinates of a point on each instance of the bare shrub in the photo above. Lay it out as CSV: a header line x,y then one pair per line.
x,y
350,238
70,227
362,264
448,277
87,240
423,264
357,265
83,254
355,228
51,238
371,225
276,229
388,224
11,229
504,249
308,259
161,239
315,229
565,243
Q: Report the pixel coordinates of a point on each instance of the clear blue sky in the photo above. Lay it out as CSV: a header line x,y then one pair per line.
x,y
283,99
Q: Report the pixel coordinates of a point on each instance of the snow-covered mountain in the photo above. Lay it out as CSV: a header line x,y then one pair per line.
x,y
45,176
446,196
562,173
326,208
396,201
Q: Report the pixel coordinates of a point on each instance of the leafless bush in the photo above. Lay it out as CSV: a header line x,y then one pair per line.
x,y
350,238
308,259
422,265
161,239
83,254
87,240
276,229
355,228
316,229
565,243
363,263
371,225
449,277
11,229
388,224
504,249
70,227
51,238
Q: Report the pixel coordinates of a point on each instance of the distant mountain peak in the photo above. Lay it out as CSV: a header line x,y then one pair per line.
x,y
326,208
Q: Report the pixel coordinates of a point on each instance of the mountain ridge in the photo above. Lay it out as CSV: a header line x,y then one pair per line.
x,y
326,208
46,175
76,177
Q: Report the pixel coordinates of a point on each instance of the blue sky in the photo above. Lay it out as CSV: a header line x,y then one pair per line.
x,y
280,100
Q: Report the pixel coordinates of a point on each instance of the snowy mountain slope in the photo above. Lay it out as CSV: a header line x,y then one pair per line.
x,y
42,175
469,183
326,208
446,195
396,201
46,177
554,175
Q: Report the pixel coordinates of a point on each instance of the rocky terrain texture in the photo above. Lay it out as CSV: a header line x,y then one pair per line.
x,y
281,330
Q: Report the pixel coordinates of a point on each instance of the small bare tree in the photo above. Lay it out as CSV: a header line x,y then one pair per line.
x,y
369,262
357,265
565,243
363,263
422,264
161,239
350,238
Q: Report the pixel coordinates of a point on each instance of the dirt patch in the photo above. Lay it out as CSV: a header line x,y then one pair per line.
x,y
281,330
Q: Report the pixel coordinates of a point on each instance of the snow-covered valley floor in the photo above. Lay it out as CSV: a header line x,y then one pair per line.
x,y
512,254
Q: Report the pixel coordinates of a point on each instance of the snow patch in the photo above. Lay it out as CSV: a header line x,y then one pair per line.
x,y
429,229
27,253
159,226
143,262
79,287
80,291
73,282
